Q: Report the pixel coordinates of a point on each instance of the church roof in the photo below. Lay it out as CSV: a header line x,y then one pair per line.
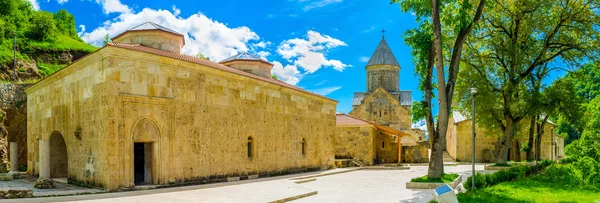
x,y
153,26
383,55
150,26
403,96
345,119
244,56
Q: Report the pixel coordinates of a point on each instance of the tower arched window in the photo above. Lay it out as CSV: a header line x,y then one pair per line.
x,y
382,145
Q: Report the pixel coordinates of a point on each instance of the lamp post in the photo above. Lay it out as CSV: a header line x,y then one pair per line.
x,y
473,92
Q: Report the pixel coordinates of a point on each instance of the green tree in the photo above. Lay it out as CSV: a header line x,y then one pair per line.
x,y
274,77
65,23
517,39
443,29
587,87
42,27
201,56
106,39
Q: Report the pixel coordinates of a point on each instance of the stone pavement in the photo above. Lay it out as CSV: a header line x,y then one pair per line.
x,y
344,185
62,188
376,186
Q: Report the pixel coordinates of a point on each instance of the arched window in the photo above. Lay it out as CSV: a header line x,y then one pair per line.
x,y
250,147
303,146
382,145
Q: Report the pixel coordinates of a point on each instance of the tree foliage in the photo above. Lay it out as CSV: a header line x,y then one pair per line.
x,y
65,23
521,38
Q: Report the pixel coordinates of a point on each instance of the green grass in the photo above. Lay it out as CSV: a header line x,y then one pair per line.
x,y
446,178
47,69
532,189
63,43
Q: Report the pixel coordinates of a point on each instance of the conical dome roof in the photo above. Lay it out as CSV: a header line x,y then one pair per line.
x,y
383,55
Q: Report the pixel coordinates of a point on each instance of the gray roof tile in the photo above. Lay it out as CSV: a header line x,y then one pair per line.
x,y
383,55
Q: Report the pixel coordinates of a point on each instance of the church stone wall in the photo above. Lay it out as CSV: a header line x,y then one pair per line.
x,y
356,142
72,103
485,143
381,108
203,118
386,76
387,148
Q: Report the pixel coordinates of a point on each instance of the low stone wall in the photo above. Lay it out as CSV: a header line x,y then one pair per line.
x,y
12,95
422,185
15,192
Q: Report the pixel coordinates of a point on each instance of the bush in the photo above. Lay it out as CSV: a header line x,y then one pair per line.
x,y
564,173
517,172
567,160
480,181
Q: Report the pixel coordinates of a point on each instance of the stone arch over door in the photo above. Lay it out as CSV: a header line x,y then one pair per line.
x,y
59,159
145,151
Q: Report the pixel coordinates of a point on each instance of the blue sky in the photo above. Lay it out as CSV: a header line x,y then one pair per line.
x,y
327,41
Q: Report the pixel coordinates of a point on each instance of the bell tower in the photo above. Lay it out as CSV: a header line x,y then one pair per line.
x,y
383,69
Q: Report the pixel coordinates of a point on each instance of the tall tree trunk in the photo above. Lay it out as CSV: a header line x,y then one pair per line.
x,y
502,157
538,138
516,151
530,154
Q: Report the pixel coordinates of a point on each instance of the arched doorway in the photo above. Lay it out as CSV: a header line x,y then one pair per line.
x,y
59,162
145,139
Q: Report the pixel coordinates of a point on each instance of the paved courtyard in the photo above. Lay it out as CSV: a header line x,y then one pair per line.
x,y
353,186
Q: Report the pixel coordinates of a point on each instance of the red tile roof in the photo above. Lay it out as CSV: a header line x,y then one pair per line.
x,y
345,119
191,59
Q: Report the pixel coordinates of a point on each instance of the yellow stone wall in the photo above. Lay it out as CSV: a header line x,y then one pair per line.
x,y
388,152
197,118
459,142
356,142
153,38
392,113
256,68
70,99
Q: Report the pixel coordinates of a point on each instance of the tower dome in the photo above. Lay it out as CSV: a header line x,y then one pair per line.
x,y
383,69
152,35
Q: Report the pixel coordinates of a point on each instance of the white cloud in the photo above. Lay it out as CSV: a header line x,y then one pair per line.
x,y
288,74
113,6
422,124
202,34
82,28
62,1
176,11
318,4
261,44
326,90
369,30
35,4
263,54
364,59
309,53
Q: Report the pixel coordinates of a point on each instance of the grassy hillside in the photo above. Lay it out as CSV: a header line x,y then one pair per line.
x,y
46,42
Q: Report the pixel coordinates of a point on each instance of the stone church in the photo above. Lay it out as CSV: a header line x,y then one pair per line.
x,y
383,104
138,112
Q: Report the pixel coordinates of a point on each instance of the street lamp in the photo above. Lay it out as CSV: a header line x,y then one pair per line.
x,y
473,92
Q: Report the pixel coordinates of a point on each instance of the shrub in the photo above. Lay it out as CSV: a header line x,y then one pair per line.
x,y
480,181
586,165
565,173
517,172
490,179
567,160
